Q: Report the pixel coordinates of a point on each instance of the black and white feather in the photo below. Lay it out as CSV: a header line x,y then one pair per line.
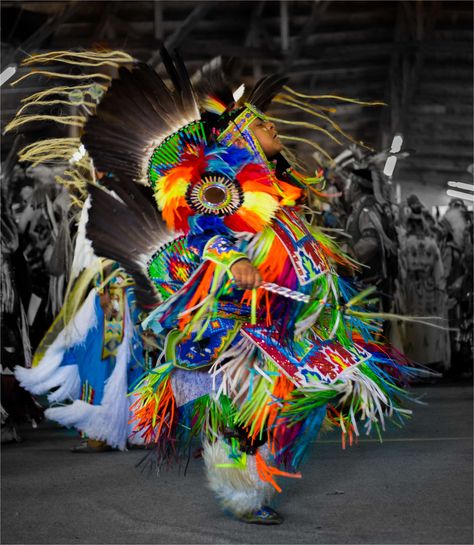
x,y
216,80
265,90
125,226
138,112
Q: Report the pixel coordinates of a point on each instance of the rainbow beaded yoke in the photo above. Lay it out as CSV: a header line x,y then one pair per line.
x,y
169,153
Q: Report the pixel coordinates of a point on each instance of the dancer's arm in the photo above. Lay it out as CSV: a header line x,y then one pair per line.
x,y
212,240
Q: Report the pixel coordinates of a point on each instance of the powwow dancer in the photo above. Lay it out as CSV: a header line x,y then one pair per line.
x,y
264,340
89,357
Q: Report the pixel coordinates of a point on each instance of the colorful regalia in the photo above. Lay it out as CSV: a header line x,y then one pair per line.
x,y
252,373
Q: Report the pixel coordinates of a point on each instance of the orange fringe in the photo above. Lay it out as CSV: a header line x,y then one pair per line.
x,y
268,318
268,473
282,390
159,411
202,291
270,270
268,415
288,192
333,416
252,219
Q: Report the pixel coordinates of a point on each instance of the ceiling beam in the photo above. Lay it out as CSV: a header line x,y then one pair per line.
x,y
284,26
252,38
158,30
106,27
299,42
176,39
38,37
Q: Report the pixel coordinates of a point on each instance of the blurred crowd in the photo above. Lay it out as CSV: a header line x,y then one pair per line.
x,y
36,247
419,263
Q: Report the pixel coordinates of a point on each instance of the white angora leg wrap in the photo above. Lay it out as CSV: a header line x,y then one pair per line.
x,y
240,490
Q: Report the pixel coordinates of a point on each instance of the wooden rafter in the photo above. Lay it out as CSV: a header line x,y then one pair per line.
x,y
252,39
175,40
158,20
105,27
284,26
43,32
349,49
299,42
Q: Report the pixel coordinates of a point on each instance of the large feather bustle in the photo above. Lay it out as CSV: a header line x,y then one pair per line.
x,y
125,226
136,115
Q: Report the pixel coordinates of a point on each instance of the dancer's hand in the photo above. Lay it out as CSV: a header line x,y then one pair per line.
x,y
246,276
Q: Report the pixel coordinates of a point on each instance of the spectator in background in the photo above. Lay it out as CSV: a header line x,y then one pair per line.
x,y
422,291
41,213
371,226
456,245
17,405
89,357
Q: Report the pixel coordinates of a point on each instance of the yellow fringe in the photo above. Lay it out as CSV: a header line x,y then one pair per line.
x,y
60,75
76,187
62,90
50,149
289,101
57,150
77,178
334,97
51,103
85,58
72,120
309,142
308,125
82,91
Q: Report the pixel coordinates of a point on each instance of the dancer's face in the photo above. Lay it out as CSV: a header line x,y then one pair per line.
x,y
267,136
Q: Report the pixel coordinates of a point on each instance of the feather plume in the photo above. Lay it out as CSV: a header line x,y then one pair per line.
x,y
213,87
136,115
125,226
265,91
